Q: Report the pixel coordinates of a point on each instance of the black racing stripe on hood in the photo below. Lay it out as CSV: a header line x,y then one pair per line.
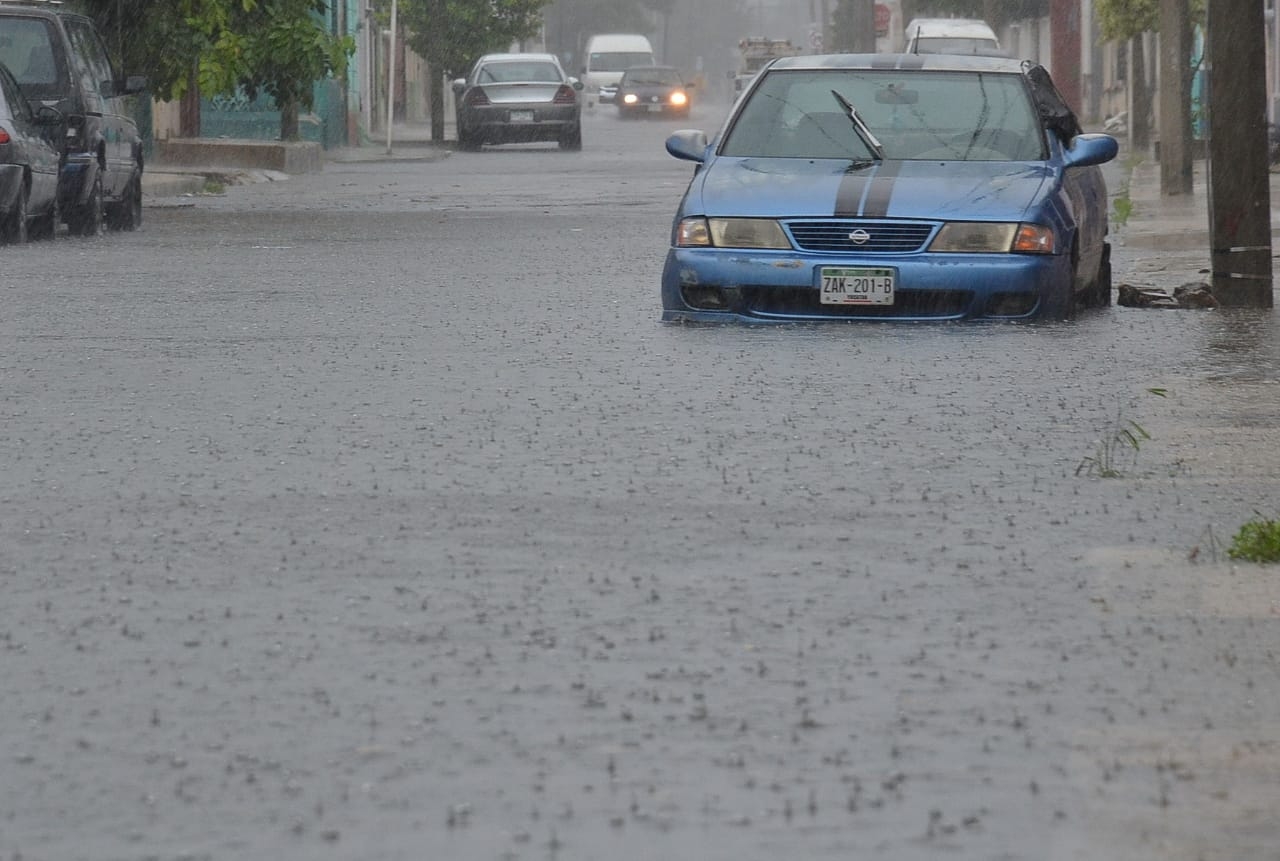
x,y
881,190
849,196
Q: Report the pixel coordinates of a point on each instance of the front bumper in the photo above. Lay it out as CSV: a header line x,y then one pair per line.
x,y
752,286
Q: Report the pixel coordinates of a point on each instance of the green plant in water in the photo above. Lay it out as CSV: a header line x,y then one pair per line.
x,y
1258,540
1117,451
212,186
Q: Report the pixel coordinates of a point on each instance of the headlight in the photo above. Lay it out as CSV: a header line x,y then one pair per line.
x,y
731,233
977,237
629,99
747,233
679,99
692,232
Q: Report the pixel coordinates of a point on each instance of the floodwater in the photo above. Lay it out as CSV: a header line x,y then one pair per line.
x,y
374,515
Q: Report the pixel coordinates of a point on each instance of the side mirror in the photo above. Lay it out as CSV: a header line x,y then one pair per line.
x,y
458,86
578,85
689,85
688,144
1090,149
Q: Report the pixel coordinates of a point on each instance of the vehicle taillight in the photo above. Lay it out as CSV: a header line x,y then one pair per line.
x,y
565,95
477,97
4,135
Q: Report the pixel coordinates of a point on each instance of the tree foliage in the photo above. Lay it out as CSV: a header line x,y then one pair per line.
x,y
1121,20
280,47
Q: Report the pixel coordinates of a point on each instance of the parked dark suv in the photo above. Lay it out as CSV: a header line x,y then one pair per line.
x,y
59,60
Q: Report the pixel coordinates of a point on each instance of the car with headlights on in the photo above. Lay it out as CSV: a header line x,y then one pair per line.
x,y
891,187
28,165
518,98
652,90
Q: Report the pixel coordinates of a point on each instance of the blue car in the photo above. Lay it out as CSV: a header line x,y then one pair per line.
x,y
891,187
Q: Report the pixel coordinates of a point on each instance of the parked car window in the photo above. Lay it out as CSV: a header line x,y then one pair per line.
x,y
18,106
26,47
506,73
90,60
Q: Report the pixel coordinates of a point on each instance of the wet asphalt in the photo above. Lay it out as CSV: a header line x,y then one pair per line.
x,y
373,514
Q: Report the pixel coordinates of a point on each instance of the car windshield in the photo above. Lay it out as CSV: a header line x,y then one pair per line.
x,y
950,116
519,72
618,61
654,77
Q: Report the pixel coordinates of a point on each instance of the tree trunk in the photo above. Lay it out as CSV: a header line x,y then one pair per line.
x,y
1140,97
1239,177
435,103
289,120
189,108
1175,98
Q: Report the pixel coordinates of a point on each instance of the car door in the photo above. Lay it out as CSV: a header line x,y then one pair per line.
x,y
32,144
89,57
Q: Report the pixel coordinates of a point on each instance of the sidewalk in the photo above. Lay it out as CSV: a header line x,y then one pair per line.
x,y
410,142
1176,222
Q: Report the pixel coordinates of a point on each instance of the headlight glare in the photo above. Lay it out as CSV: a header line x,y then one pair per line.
x,y
678,98
747,233
629,99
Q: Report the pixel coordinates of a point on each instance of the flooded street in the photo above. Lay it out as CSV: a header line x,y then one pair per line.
x,y
373,514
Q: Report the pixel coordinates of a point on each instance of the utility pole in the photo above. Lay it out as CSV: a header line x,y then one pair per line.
x,y
1239,173
391,73
1175,98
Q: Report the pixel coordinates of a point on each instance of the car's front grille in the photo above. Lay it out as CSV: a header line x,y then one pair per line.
x,y
872,237
803,303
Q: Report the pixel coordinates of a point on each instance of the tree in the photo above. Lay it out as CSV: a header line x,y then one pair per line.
x,y
451,34
285,50
212,47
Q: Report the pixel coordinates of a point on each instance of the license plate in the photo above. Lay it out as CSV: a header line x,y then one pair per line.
x,y
838,285
522,116
654,109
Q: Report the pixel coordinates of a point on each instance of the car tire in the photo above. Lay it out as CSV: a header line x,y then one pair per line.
x,y
572,139
46,226
468,140
127,214
1102,288
90,219
15,223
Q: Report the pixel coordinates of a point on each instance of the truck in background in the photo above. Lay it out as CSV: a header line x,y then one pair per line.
x,y
607,56
754,54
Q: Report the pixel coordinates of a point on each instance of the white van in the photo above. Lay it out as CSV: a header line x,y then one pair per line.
x,y
607,56
951,36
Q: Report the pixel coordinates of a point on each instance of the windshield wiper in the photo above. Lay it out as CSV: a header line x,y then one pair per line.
x,y
860,127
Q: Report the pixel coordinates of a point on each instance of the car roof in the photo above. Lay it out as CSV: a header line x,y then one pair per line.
x,y
904,62
509,58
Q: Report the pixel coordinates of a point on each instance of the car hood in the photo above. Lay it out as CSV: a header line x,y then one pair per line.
x,y
774,187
